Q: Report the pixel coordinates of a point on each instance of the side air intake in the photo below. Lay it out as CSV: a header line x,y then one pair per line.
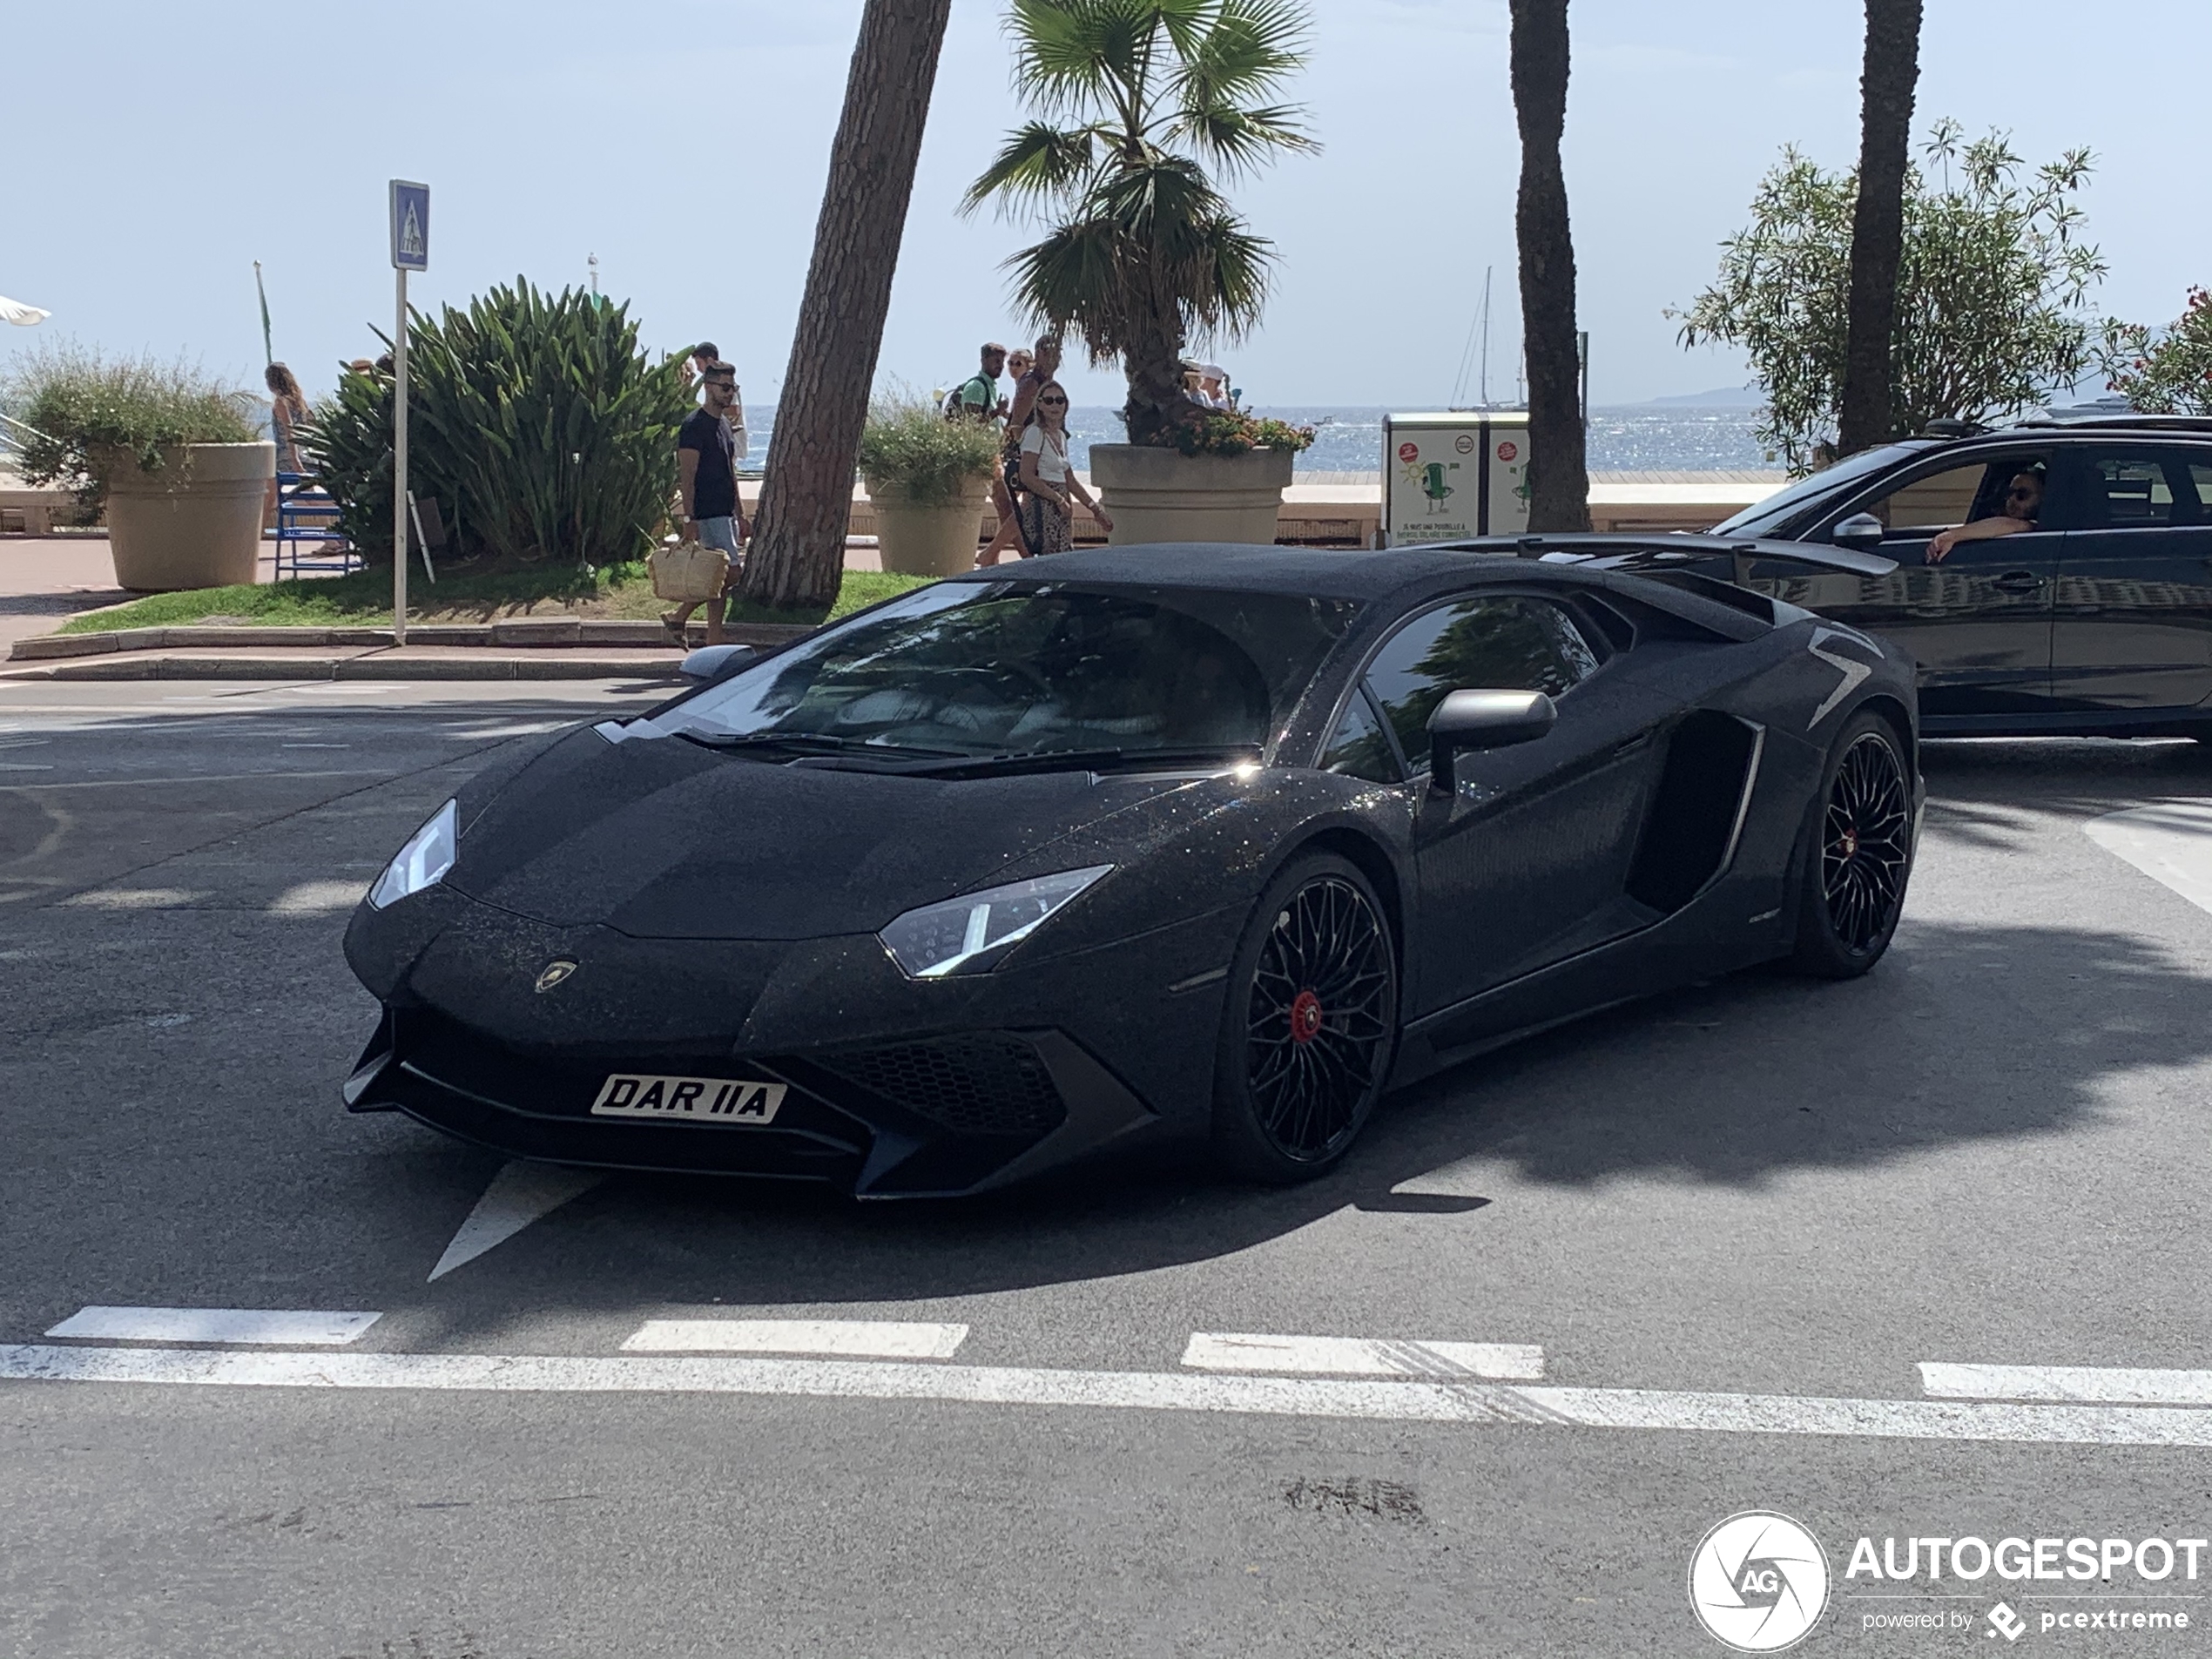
x,y
1712,762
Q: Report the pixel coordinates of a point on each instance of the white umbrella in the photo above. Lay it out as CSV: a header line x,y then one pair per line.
x,y
22,316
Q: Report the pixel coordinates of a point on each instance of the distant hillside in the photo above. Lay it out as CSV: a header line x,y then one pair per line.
x,y
1728,397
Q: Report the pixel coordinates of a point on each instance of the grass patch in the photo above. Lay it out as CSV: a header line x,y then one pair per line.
x,y
622,591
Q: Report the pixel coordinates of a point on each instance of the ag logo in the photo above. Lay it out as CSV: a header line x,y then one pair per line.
x,y
554,974
1758,1582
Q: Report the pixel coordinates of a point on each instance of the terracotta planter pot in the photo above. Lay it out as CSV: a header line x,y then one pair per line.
x,y
195,523
1159,496
937,541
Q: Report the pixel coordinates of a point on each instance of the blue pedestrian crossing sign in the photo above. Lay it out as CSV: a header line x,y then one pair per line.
x,y
410,225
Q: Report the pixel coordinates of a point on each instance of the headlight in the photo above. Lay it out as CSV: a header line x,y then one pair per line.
x,y
968,935
425,858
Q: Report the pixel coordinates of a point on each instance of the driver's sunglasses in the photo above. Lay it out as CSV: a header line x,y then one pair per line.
x,y
2022,494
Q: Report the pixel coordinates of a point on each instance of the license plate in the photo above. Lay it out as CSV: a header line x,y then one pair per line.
x,y
689,1100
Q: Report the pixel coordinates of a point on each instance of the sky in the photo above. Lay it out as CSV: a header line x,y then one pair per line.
x,y
155,151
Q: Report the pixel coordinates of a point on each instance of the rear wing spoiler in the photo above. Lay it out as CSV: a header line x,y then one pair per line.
x,y
1812,556
1652,554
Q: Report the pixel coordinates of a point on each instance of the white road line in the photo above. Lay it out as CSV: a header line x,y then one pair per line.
x,y
272,1327
2103,1385
872,1338
1470,1404
2170,841
518,1195
1364,1356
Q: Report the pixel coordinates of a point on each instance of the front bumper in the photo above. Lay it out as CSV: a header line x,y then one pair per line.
x,y
895,1089
933,1117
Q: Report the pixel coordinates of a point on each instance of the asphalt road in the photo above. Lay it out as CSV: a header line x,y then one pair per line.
x,y
1737,1222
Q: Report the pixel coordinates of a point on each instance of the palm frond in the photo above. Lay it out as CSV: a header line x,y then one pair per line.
x,y
1240,140
1038,163
1252,48
1080,56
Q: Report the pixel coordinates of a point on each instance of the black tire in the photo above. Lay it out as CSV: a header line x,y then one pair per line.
x,y
1310,1026
1858,853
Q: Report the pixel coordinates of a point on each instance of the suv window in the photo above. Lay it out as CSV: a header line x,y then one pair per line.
x,y
1502,644
1957,496
2127,492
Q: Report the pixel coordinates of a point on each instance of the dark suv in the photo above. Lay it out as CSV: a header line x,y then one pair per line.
x,y
2098,620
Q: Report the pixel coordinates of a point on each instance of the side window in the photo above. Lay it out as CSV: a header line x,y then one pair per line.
x,y
1942,502
1475,644
1360,747
2201,477
2129,492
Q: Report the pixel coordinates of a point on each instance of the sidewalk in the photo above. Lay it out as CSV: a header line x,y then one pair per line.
x,y
45,580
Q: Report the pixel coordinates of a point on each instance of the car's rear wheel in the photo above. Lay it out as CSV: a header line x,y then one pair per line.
x,y
1310,1024
1855,871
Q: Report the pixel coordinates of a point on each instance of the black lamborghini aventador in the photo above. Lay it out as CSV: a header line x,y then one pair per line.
x,y
1198,844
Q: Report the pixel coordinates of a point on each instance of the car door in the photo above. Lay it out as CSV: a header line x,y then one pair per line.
x,y
1535,842
2132,620
1979,623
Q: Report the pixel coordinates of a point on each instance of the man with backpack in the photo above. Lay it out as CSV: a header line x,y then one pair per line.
x,y
977,398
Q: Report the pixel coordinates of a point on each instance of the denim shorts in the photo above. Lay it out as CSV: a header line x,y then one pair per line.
x,y
719,532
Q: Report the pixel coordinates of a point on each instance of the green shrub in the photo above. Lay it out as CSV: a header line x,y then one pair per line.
x,y
910,446
86,410
545,434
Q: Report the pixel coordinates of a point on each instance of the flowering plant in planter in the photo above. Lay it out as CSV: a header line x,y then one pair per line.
x,y
1232,432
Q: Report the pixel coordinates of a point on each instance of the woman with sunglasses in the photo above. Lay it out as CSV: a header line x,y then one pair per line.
x,y
1049,487
1039,367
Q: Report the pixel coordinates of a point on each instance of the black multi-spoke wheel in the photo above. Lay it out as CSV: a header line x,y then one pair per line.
x,y
1312,1021
1856,872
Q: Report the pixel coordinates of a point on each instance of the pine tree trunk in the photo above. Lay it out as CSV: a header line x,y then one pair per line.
x,y
798,555
1559,479
1886,92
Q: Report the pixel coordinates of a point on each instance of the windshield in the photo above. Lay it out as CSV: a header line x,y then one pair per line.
x,y
1763,518
976,669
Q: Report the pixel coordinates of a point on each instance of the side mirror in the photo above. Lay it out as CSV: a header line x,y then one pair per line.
x,y
1861,530
1483,720
711,663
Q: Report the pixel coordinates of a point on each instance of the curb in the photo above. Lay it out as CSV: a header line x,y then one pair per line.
x,y
351,668
563,634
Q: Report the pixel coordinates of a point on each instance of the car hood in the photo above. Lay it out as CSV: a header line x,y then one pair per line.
x,y
664,838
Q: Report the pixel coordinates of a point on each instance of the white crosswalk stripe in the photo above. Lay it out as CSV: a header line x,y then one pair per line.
x,y
869,1339
1363,1357
2097,1385
262,1327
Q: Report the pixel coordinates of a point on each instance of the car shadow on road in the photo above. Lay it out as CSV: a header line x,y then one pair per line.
x,y
1998,793
1739,1083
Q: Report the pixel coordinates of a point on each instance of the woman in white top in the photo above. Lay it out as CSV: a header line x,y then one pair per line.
x,y
1049,487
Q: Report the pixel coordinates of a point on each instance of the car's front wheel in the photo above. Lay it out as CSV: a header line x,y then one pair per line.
x,y
1855,871
1310,1024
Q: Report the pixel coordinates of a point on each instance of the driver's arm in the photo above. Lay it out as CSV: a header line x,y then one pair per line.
x,y
1982,529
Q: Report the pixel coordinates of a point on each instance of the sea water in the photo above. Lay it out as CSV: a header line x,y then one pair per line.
x,y
1349,440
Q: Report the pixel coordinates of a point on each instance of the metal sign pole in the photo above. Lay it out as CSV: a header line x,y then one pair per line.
x,y
410,252
398,467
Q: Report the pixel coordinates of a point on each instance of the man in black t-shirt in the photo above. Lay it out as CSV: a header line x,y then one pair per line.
x,y
706,470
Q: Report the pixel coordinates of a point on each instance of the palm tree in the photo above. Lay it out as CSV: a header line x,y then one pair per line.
x,y
1886,91
798,557
1559,479
1136,100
